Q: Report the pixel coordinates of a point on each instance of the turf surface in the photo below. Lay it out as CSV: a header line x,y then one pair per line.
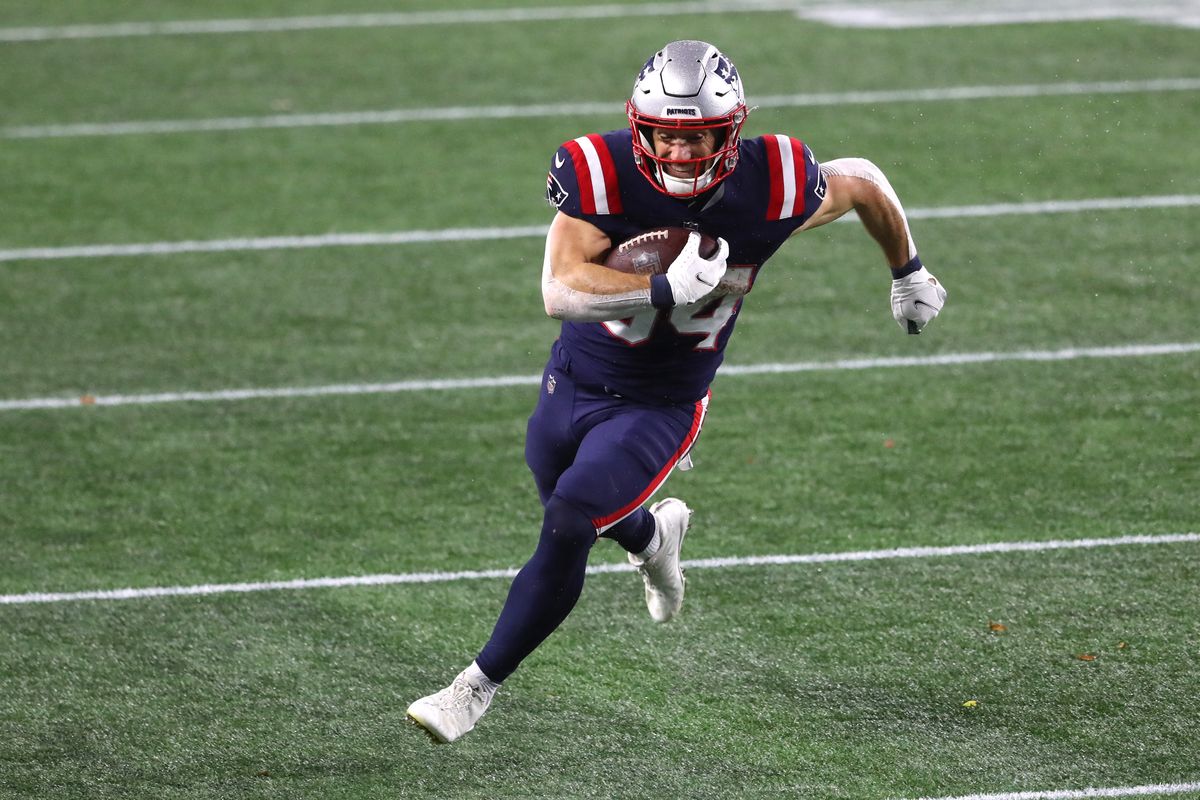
x,y
835,680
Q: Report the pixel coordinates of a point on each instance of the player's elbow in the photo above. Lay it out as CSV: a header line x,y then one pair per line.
x,y
854,167
555,299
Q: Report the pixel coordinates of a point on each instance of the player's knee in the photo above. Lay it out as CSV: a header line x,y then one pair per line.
x,y
564,525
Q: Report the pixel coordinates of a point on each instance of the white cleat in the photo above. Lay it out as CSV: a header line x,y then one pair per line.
x,y
661,572
448,714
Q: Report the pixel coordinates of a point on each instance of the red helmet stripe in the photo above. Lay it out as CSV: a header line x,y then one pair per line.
x,y
785,156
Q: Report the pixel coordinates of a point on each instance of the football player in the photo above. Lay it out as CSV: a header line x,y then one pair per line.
x,y
625,391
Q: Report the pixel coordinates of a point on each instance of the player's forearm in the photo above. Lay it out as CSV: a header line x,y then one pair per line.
x,y
590,293
576,287
590,278
888,227
878,207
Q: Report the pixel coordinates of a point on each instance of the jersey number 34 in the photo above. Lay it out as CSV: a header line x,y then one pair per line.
x,y
706,318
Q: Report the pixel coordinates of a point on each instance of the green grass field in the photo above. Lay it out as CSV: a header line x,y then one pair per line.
x,y
825,679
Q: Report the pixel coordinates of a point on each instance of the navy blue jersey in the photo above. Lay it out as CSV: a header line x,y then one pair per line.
x,y
671,356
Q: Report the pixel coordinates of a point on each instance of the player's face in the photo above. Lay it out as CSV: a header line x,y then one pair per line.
x,y
692,146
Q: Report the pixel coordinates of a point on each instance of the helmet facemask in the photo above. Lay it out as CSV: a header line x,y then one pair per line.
x,y
697,175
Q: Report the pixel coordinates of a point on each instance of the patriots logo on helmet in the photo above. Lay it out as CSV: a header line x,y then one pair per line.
x,y
647,68
727,70
556,195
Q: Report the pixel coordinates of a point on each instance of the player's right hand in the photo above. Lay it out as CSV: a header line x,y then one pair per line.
x,y
692,277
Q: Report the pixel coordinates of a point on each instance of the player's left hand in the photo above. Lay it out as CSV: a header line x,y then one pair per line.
x,y
916,300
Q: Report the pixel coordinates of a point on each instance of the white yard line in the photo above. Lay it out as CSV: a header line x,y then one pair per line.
x,y
538,231
706,563
501,381
273,243
941,13
1149,790
476,113
964,13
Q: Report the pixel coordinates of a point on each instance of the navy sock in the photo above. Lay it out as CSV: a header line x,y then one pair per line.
x,y
544,591
634,532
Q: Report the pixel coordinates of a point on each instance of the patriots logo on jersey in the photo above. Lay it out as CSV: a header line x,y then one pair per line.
x,y
556,195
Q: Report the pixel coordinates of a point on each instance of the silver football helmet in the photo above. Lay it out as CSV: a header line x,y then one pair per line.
x,y
687,85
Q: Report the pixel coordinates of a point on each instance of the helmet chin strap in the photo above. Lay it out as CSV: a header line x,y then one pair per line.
x,y
686,185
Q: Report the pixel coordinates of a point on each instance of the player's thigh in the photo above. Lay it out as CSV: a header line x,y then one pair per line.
x,y
624,459
550,440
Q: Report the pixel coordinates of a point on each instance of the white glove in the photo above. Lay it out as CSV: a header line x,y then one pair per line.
x,y
692,277
916,299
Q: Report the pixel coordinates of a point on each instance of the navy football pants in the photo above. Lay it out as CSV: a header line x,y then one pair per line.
x,y
603,454
595,458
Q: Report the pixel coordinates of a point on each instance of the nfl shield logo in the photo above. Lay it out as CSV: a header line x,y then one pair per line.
x,y
550,384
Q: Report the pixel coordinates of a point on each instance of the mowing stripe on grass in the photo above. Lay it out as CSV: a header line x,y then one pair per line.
x,y
476,113
537,231
1149,790
501,381
832,13
598,569
394,19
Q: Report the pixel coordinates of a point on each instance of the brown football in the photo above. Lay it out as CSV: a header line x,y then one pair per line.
x,y
651,252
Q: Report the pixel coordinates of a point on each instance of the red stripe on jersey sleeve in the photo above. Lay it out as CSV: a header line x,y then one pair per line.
x,y
610,173
583,175
775,165
801,165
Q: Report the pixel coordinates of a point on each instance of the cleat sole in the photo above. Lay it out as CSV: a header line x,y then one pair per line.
x,y
433,737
